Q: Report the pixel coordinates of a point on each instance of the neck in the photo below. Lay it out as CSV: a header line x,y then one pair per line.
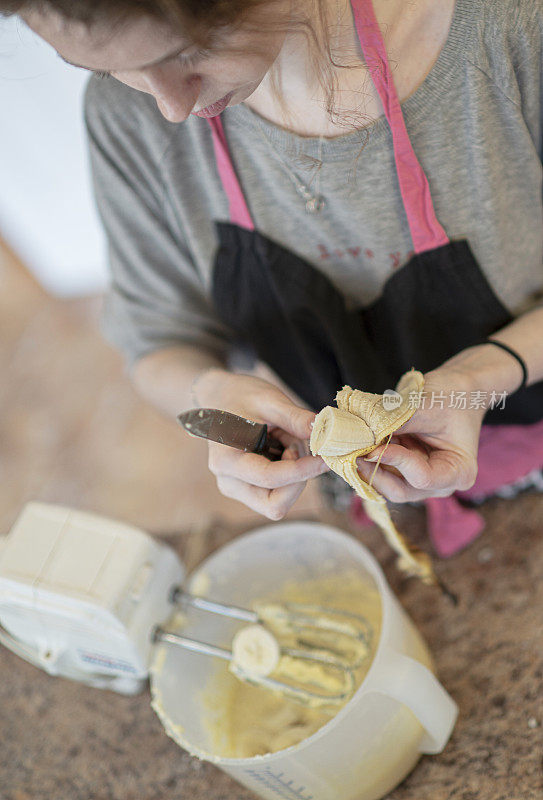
x,y
294,89
333,28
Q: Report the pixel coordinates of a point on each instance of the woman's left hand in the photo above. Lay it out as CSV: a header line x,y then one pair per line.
x,y
435,452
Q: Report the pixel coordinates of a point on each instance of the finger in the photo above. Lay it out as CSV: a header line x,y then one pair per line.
x,y
285,438
447,470
273,503
412,464
288,416
407,440
291,452
395,488
438,469
412,442
259,471
290,442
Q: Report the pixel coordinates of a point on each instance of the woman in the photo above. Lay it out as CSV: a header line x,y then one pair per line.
x,y
253,191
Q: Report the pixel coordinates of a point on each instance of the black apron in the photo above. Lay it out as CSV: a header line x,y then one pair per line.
x,y
297,321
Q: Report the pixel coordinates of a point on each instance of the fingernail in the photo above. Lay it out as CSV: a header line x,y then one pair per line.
x,y
370,458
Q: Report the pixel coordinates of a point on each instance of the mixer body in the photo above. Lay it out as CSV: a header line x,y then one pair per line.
x,y
80,594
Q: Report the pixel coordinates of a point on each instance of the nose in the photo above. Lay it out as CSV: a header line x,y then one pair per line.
x,y
175,93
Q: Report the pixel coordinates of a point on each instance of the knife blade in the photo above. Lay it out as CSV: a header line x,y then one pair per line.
x,y
229,429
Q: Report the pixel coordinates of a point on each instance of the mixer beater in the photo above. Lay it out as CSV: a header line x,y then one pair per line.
x,y
308,653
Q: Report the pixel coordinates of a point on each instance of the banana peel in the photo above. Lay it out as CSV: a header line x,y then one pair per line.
x,y
361,422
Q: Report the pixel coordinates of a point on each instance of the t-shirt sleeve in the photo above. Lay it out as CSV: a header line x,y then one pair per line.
x,y
512,33
528,64
156,297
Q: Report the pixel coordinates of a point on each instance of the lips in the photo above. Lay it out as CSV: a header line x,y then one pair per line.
x,y
215,108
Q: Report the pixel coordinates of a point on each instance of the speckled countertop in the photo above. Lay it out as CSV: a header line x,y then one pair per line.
x,y
64,741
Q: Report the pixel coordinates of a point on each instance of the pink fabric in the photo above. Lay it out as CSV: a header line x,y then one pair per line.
x,y
426,231
506,453
239,213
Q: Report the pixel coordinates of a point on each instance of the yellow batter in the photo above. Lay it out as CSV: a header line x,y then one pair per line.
x,y
246,720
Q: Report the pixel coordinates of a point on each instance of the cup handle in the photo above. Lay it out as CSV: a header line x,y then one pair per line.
x,y
411,683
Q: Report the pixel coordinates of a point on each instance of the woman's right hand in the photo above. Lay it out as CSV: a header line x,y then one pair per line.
x,y
268,487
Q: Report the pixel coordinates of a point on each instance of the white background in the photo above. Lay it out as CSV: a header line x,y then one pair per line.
x,y
47,212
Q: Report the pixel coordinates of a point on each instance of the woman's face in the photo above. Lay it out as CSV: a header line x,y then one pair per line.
x,y
146,55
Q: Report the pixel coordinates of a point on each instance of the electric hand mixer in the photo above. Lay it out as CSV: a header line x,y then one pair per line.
x,y
88,598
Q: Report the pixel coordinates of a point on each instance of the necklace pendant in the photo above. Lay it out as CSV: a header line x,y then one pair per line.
x,y
315,204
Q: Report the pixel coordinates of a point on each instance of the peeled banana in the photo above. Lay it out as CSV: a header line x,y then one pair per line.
x,y
360,423
255,651
338,429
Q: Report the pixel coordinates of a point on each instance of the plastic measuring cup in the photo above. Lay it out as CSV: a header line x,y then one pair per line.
x,y
399,711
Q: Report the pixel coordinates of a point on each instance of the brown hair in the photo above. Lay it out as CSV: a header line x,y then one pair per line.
x,y
204,20
197,12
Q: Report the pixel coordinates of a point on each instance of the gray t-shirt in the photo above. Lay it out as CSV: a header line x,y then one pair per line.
x,y
475,126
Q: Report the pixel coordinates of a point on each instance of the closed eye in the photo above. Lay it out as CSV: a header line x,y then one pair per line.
x,y
190,60
187,61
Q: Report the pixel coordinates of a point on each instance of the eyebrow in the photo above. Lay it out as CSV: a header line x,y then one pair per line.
x,y
152,64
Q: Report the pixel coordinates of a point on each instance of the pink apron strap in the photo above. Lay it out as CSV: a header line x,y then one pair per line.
x,y
426,231
239,213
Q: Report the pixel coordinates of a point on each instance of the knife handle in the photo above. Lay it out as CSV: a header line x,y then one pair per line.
x,y
269,446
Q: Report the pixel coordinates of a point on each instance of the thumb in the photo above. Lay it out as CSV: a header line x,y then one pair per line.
x,y
291,418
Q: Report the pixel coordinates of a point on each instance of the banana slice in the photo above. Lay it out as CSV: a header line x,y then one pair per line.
x,y
340,441
337,430
255,651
